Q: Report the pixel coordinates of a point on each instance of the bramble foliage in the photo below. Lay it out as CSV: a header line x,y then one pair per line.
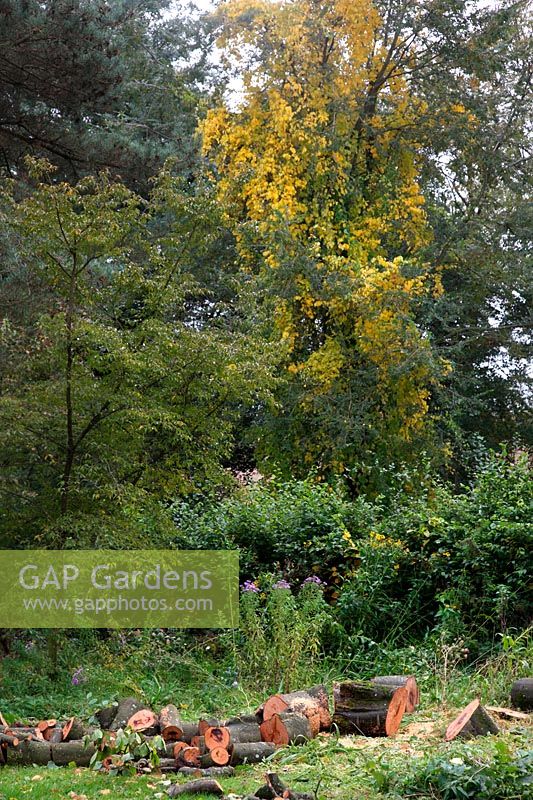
x,y
402,564
117,753
297,527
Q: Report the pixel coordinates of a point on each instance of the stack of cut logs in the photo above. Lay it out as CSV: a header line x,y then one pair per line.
x,y
209,746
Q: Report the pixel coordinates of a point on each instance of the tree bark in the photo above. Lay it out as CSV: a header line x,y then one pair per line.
x,y
216,757
368,709
244,732
285,728
126,709
66,752
251,752
70,444
522,694
508,713
316,695
213,772
188,731
409,681
27,753
202,786
105,716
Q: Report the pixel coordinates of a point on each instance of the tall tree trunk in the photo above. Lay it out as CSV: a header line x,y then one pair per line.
x,y
70,445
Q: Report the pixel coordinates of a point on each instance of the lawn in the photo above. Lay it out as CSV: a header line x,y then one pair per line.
x,y
416,763
333,767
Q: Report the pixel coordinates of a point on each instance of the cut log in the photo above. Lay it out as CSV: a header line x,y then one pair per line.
x,y
243,718
307,707
170,723
283,729
216,757
251,752
199,742
409,681
472,721
67,727
144,720
244,732
53,735
126,709
78,730
208,722
508,713
24,731
188,730
368,709
522,694
316,696
201,786
165,765
177,747
27,753
274,788
217,737
76,752
12,736
189,757
105,716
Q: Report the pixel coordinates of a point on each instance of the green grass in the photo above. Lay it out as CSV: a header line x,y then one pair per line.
x,y
336,769
194,673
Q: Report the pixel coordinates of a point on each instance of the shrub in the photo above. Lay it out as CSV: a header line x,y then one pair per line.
x,y
452,562
414,561
297,527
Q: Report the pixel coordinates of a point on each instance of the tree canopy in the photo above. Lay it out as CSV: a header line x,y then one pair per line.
x,y
323,270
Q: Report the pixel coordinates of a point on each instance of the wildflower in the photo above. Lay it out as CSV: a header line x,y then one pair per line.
x,y
281,585
77,676
250,586
314,579
347,535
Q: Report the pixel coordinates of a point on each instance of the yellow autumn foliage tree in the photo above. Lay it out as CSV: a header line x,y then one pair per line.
x,y
317,166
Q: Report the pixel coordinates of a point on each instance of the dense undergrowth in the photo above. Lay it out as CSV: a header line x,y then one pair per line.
x,y
421,580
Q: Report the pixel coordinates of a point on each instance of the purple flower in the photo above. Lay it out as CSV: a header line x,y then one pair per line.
x,y
281,585
250,586
78,676
314,579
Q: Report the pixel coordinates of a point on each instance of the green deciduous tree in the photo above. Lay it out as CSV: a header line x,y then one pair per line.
x,y
119,400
